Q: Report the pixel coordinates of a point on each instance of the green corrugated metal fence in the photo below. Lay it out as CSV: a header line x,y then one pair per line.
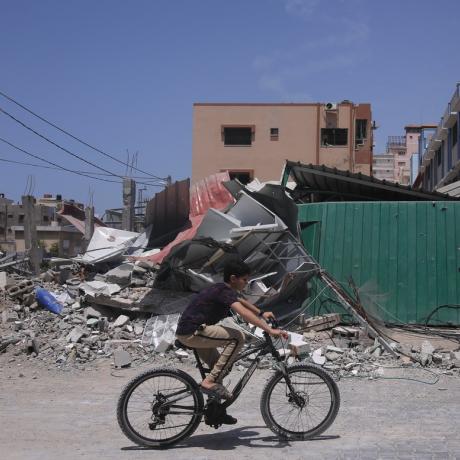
x,y
406,253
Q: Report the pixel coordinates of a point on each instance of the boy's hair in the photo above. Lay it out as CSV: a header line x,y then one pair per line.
x,y
237,268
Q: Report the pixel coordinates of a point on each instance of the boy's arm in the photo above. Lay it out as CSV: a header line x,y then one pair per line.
x,y
255,310
251,317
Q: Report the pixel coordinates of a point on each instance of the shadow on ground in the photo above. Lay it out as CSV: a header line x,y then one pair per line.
x,y
248,436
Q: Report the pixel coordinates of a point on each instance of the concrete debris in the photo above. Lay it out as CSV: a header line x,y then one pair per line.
x,y
319,323
121,321
317,357
121,358
75,335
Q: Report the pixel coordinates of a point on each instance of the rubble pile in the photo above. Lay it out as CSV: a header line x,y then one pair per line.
x,y
121,299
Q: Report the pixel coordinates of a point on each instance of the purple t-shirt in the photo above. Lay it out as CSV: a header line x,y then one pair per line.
x,y
209,306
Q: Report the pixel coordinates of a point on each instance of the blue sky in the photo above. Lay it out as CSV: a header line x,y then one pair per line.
x,y
123,76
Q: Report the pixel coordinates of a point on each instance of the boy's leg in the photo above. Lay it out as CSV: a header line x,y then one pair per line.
x,y
232,340
207,340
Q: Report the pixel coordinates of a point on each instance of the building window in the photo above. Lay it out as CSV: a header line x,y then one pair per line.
x,y
401,163
334,136
360,132
454,134
438,157
238,135
45,218
274,134
21,218
243,176
401,152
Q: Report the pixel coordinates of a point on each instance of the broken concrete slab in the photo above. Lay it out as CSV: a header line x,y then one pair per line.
x,y
99,288
120,275
5,281
121,321
320,323
75,335
121,358
317,357
92,322
91,312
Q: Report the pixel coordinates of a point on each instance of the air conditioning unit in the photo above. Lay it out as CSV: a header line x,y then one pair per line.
x,y
330,106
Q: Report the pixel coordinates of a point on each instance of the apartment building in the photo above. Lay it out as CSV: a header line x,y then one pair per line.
x,y
440,160
253,140
405,151
383,167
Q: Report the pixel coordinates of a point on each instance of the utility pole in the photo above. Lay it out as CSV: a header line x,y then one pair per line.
x,y
129,201
89,223
30,233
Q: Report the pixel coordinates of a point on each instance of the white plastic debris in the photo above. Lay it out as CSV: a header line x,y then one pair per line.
x,y
160,332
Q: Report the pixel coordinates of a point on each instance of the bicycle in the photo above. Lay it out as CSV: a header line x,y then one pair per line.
x,y
161,407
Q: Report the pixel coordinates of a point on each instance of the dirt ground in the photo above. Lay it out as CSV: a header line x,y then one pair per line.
x,y
51,414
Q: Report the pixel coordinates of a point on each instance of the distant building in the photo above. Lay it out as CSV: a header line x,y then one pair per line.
x,y
405,152
383,167
440,161
254,140
59,224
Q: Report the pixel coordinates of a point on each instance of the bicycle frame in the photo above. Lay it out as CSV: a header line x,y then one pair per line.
x,y
263,349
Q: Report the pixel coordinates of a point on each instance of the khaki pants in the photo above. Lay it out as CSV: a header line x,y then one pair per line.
x,y
207,340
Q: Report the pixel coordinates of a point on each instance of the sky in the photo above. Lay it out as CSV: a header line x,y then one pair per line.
x,y
123,77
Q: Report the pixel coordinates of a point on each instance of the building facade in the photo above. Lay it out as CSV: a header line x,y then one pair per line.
x,y
383,167
440,162
54,230
405,151
254,140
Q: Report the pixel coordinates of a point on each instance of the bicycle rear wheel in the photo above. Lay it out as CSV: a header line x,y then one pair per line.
x,y
305,412
160,407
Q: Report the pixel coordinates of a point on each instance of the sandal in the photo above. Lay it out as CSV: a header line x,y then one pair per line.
x,y
217,390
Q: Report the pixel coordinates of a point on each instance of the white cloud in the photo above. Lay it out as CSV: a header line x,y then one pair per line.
x,y
304,8
338,46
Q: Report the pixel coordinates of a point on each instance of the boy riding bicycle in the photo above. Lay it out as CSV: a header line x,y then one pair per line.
x,y
197,326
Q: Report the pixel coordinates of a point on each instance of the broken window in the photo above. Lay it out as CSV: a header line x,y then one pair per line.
x,y
238,135
360,132
274,134
243,176
334,136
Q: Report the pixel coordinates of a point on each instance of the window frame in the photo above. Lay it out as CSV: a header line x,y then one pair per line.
x,y
333,132
252,135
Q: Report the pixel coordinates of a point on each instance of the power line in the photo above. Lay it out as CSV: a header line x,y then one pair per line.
x,y
6,160
55,164
59,146
76,138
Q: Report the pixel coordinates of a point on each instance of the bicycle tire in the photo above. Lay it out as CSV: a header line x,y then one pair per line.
x,y
126,424
317,376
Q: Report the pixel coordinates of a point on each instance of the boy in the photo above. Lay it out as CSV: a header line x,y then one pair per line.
x,y
197,326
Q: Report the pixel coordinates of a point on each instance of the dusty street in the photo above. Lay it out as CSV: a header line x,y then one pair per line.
x,y
49,415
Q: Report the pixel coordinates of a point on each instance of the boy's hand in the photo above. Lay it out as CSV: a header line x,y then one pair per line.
x,y
279,333
267,315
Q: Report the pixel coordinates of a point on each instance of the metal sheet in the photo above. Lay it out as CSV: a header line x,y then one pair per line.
x,y
404,255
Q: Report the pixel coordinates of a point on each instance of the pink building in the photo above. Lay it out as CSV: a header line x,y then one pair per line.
x,y
402,148
254,140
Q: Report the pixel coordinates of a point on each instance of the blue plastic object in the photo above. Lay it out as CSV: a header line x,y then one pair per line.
x,y
46,300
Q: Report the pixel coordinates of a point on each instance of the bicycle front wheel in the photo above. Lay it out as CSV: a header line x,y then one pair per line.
x,y
304,411
160,407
